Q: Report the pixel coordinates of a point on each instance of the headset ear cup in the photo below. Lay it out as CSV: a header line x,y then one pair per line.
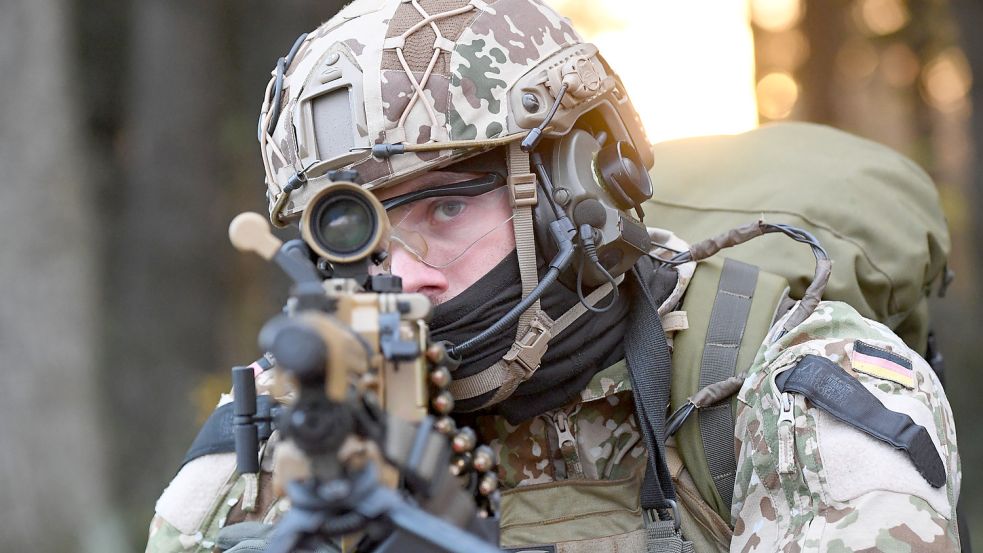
x,y
624,175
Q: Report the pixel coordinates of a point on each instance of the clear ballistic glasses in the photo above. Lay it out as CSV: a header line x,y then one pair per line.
x,y
439,225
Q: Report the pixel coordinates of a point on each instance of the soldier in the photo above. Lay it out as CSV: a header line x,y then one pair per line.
x,y
462,116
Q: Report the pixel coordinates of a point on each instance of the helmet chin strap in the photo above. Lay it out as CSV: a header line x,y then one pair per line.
x,y
500,375
535,327
524,196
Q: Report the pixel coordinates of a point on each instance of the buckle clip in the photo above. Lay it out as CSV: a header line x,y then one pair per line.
x,y
522,189
527,353
653,516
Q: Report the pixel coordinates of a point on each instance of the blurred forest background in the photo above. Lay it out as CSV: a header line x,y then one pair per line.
x,y
127,144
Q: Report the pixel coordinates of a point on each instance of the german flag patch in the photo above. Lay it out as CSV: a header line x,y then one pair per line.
x,y
882,364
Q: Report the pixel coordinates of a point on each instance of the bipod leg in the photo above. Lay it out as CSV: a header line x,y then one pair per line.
x,y
417,530
317,511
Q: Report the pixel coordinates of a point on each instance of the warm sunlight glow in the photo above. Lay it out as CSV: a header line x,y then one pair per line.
x,y
946,80
777,94
883,17
776,15
688,66
786,50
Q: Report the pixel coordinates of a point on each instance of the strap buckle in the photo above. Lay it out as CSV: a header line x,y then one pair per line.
x,y
522,189
528,352
652,516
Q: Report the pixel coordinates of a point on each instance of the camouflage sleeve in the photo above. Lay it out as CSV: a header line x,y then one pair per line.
x,y
808,482
195,505
206,496
165,538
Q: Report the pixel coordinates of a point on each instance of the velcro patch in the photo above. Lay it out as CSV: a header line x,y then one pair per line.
x,y
882,364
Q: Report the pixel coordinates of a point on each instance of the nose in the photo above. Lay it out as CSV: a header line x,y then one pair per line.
x,y
417,276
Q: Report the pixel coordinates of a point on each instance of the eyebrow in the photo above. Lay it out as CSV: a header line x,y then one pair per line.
x,y
471,187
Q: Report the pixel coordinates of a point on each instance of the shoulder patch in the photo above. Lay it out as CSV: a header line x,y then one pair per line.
x,y
882,364
834,391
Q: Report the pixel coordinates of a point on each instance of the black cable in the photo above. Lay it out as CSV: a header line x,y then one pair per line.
x,y
277,93
583,299
282,65
532,139
546,184
795,233
509,319
562,231
590,251
799,235
679,259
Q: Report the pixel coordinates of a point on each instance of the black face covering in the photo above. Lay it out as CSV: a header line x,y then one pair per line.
x,y
593,342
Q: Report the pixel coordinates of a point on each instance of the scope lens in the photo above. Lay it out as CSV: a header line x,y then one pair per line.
x,y
345,224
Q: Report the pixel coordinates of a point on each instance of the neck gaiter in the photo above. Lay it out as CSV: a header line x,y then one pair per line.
x,y
593,342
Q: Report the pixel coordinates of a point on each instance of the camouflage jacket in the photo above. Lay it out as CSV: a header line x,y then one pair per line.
x,y
572,476
843,490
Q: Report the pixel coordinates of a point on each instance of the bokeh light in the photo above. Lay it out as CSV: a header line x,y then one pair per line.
x,y
777,94
899,65
882,17
776,15
786,50
946,80
856,59
688,66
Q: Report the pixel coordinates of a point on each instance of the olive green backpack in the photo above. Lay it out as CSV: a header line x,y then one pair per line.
x,y
875,212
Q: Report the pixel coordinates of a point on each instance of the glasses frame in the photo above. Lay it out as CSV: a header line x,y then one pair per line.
x,y
467,188
471,187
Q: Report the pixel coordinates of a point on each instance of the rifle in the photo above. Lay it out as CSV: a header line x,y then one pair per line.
x,y
368,445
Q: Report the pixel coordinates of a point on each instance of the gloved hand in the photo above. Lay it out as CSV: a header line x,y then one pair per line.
x,y
253,537
244,537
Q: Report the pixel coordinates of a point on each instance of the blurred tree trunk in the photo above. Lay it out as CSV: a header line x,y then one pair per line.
x,y
52,459
178,134
823,27
168,248
968,15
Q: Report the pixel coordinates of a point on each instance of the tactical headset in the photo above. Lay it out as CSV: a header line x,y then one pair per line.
x,y
594,165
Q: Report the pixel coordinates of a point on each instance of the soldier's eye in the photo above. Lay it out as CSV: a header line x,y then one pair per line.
x,y
446,210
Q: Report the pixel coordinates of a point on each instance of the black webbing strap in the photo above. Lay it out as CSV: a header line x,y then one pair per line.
x,y
728,319
833,390
649,364
217,435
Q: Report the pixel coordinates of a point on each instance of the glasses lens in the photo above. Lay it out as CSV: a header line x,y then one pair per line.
x,y
345,224
439,230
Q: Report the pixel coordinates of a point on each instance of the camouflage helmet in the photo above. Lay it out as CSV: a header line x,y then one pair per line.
x,y
394,88
434,80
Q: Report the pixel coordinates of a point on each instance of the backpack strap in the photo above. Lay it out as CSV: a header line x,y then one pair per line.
x,y
649,364
730,306
728,320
